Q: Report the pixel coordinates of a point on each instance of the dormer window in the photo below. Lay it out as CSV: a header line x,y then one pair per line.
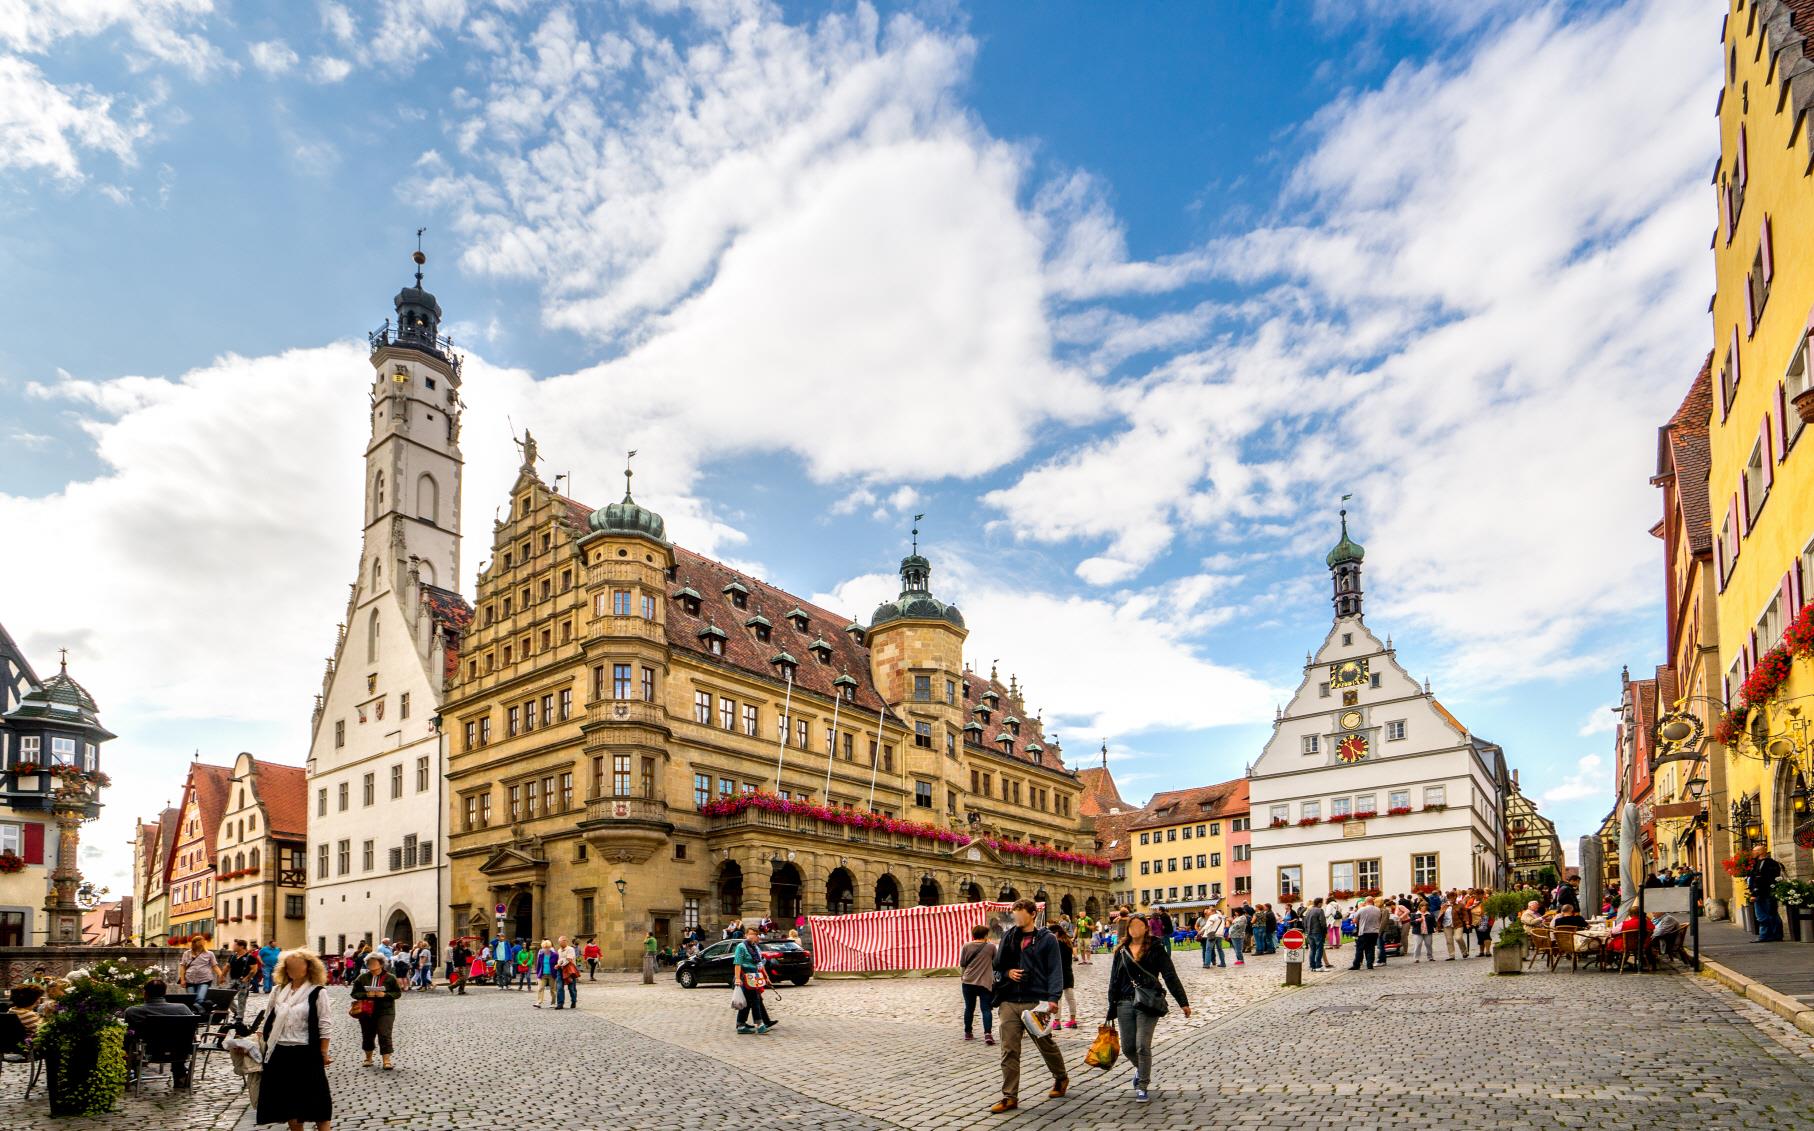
x,y
689,599
847,687
760,626
981,710
821,650
785,665
1013,725
714,639
738,593
1005,741
1034,750
855,631
799,618
973,729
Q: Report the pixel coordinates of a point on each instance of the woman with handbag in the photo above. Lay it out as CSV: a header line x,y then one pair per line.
x,y
1138,980
375,994
293,1086
751,981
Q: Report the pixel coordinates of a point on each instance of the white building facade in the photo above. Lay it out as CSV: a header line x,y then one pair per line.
x,y
1368,785
376,829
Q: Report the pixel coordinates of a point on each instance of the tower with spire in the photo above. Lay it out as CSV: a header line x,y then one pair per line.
x,y
1345,572
382,689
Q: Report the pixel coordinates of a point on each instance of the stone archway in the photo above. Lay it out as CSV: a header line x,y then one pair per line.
x,y
888,893
1008,893
520,916
1040,897
929,895
1068,905
730,889
973,892
784,887
398,930
1797,862
1092,907
840,892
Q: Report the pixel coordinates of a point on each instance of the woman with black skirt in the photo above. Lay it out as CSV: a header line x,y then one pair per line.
x,y
1140,975
294,1085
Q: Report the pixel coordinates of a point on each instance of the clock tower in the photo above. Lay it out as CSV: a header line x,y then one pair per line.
x,y
1344,568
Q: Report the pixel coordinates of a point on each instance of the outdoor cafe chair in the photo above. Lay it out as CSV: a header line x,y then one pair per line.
x,y
1537,944
16,1047
1569,941
158,1040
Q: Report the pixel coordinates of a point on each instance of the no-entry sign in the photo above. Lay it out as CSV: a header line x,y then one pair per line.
x,y
1292,939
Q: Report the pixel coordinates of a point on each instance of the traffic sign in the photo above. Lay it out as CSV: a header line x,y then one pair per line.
x,y
500,910
1292,939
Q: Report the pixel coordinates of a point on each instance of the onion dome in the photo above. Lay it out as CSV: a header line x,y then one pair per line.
x,y
629,517
916,601
1347,550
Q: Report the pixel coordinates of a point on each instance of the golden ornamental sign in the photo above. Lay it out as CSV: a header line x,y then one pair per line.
x,y
1679,736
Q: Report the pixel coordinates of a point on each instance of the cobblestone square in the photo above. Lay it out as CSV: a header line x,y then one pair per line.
x,y
1411,1045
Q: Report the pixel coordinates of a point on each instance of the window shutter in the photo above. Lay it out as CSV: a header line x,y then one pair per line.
x,y
1765,445
1750,308
1719,557
396,859
1787,596
1736,516
1782,422
34,844
1769,254
1797,592
1735,369
1744,504
1744,170
1726,212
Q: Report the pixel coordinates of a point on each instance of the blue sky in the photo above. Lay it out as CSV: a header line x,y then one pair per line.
x,y
1123,297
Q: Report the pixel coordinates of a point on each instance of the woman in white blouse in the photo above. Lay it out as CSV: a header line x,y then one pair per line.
x,y
294,1088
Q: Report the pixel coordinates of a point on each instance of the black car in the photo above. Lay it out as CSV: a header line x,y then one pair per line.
x,y
784,959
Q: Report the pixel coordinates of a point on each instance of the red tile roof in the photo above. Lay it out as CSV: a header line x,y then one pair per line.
x,y
1111,834
210,784
1177,806
1100,796
285,793
1684,453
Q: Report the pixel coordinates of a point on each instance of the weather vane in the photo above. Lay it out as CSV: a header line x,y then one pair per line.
x,y
419,257
627,474
916,532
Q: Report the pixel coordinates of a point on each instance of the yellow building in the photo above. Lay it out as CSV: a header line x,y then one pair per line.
x,y
1761,478
1180,851
643,738
189,873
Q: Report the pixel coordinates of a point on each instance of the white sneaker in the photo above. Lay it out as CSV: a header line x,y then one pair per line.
x,y
1140,1095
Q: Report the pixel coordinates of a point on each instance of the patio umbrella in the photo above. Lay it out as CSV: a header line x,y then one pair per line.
x,y
1631,874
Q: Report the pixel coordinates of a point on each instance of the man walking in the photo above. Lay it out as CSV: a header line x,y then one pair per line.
x,y
1316,932
1028,977
1760,882
1366,932
502,954
1456,924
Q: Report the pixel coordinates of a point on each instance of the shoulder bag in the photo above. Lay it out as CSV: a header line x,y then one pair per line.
x,y
1149,998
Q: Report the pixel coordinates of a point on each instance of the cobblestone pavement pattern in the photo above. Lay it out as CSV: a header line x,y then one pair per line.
x,y
1410,1046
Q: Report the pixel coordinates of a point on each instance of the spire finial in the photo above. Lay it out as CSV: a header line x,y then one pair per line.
x,y
63,660
916,532
628,474
419,257
1105,753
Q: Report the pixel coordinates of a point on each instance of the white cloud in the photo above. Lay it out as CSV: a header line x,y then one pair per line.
x,y
273,56
157,30
328,69
48,127
1590,780
1455,260
1600,720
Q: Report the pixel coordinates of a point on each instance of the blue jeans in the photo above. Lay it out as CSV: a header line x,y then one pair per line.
x,y
565,990
1382,948
264,979
1212,953
1236,942
1318,940
1769,923
973,997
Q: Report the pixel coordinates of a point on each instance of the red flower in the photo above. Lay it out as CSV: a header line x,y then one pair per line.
x,y
1399,810
1306,822
1798,638
1365,815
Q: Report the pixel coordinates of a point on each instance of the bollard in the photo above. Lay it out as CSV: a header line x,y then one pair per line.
x,y
1293,942
648,969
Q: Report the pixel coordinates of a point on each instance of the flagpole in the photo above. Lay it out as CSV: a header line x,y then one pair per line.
x,y
875,756
831,747
787,720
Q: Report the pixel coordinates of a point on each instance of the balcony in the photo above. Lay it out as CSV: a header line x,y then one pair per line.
x,y
626,712
626,829
617,628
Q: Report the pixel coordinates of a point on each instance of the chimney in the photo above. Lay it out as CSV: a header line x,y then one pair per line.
x,y
1514,778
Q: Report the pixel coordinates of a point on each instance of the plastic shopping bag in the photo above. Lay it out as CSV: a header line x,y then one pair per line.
x,y
1104,1049
738,1000
1039,1020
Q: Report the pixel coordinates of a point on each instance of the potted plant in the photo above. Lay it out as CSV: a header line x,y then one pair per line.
x,y
84,1040
1804,404
1508,948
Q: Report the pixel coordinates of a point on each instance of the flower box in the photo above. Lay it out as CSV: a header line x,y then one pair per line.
x,y
1342,893
1435,806
1290,897
27,782
1366,816
1423,889
1280,822
1336,818
1306,822
1368,892
11,862
1399,811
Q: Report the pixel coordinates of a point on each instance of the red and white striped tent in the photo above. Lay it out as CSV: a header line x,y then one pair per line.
x,y
911,938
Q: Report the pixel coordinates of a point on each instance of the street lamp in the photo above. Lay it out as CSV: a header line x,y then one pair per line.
x,y
620,885
1696,786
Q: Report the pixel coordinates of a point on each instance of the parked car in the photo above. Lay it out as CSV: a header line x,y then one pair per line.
x,y
784,959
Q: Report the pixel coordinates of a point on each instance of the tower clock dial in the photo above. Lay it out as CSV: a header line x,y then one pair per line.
x,y
1351,720
1352,748
1348,673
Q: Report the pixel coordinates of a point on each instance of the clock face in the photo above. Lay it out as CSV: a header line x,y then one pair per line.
x,y
1351,720
1348,673
1352,748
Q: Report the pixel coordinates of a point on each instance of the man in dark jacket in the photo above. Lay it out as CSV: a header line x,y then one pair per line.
x,y
1316,933
1760,883
1029,975
166,1031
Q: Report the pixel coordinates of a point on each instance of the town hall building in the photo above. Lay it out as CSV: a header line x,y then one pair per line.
x,y
1368,784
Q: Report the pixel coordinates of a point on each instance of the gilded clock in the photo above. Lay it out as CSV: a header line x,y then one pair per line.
x,y
1352,748
1351,720
1348,673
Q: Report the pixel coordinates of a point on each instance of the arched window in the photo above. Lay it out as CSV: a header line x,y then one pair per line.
x,y
371,637
252,860
428,498
377,571
378,494
425,569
